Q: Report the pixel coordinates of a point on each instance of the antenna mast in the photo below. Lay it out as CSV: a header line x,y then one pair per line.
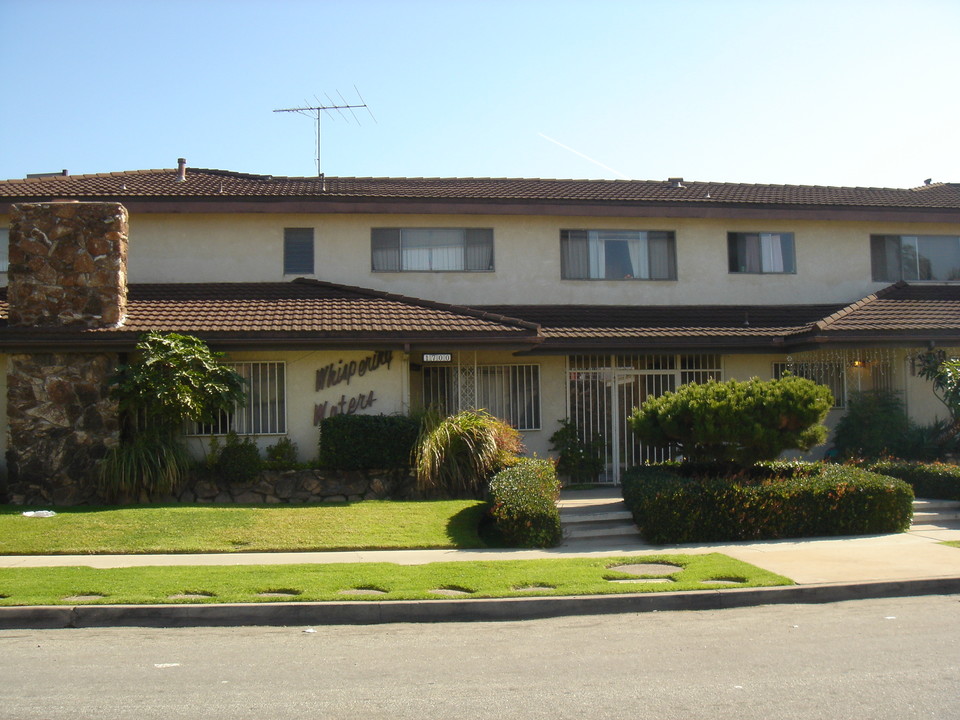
x,y
316,112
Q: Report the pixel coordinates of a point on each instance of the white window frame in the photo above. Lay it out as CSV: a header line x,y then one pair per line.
x,y
432,249
776,253
907,266
264,413
641,255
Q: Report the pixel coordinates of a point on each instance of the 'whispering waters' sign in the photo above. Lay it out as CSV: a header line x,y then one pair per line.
x,y
342,371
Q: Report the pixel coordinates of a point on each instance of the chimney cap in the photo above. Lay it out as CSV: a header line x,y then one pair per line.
x,y
676,182
181,169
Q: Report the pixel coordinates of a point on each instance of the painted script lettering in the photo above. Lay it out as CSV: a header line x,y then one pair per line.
x,y
345,406
341,371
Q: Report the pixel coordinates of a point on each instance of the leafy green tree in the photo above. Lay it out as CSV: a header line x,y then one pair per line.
x,y
945,376
172,379
734,421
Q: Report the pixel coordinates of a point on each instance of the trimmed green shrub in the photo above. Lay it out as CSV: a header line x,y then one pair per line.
x,y
670,507
367,442
734,421
238,461
457,455
524,504
282,455
935,481
875,424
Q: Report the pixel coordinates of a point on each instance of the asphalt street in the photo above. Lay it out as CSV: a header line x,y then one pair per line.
x,y
876,659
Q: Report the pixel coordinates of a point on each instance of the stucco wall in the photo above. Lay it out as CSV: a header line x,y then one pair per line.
x,y
833,258
388,386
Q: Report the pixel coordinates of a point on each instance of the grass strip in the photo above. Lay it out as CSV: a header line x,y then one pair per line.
x,y
380,581
951,543
370,524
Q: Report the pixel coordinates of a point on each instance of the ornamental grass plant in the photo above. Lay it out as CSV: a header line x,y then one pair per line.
x,y
455,456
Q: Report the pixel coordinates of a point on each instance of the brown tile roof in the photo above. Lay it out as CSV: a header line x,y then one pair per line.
x,y
927,311
311,312
621,325
203,184
303,311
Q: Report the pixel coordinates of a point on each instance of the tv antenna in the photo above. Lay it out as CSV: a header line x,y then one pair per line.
x,y
316,112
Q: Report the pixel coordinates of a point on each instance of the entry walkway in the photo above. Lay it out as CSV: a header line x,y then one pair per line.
x,y
916,554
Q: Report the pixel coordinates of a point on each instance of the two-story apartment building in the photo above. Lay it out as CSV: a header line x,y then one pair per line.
x,y
535,299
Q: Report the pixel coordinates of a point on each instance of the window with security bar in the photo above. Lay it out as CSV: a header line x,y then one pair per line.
x,y
509,392
265,411
827,373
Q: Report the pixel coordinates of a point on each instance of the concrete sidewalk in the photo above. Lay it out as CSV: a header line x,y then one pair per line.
x,y
825,570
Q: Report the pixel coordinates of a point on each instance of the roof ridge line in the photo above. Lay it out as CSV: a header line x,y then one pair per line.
x,y
410,300
858,304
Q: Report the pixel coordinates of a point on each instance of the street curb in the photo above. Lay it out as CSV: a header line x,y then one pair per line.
x,y
434,611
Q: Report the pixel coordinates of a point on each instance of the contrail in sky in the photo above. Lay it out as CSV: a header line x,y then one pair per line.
x,y
585,157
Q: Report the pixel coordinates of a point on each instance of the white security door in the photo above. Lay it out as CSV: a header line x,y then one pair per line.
x,y
603,391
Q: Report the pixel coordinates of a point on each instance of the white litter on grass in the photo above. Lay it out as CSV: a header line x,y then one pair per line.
x,y
166,665
310,630
890,617
39,513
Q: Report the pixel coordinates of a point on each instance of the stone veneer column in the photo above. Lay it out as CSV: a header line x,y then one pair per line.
x,y
67,270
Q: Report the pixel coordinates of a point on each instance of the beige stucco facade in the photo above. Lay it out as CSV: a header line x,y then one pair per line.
x,y
832,257
833,265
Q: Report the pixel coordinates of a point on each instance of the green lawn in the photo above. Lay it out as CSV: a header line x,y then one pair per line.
x,y
483,579
230,528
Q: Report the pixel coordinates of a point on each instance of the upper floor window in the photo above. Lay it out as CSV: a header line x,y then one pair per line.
x,y
618,255
761,252
915,257
4,248
298,251
431,249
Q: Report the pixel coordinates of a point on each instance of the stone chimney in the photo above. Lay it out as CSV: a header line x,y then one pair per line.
x,y
68,270
67,264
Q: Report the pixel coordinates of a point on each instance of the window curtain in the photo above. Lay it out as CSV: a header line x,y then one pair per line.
x,y
479,249
598,256
662,258
639,256
771,252
751,254
574,254
385,244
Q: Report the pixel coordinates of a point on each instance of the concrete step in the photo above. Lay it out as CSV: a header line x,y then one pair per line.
x,y
580,516
944,515
599,530
923,503
935,514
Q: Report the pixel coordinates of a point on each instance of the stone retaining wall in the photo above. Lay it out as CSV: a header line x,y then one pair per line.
x,y
302,486
272,487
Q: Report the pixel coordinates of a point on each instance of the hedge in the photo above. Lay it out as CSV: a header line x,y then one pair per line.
x,y
669,506
523,504
935,481
367,442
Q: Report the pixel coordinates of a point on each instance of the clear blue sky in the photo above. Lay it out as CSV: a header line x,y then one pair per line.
x,y
831,92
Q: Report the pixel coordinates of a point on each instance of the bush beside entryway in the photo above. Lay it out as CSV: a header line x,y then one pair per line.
x,y
678,504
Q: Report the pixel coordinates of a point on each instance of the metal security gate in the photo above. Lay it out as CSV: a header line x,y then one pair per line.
x,y
603,390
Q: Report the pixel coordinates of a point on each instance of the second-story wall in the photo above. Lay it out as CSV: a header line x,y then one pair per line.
x,y
832,257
